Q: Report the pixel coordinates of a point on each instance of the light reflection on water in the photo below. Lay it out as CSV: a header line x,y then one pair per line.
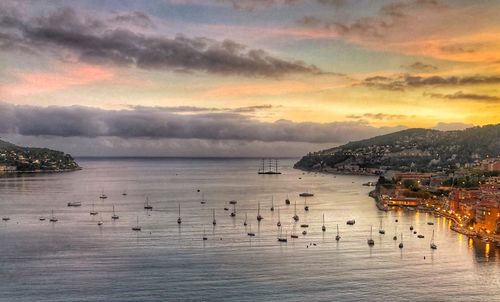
x,y
75,260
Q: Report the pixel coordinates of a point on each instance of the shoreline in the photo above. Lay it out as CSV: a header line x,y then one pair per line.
x,y
3,173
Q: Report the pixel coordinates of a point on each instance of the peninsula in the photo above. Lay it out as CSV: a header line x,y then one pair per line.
x,y
16,159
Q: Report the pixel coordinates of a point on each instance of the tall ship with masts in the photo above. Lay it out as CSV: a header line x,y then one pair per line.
x,y
271,169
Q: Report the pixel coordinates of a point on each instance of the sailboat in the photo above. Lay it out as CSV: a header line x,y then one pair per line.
x,y
401,243
204,235
370,240
233,213
395,233
338,235
279,219
179,220
250,233
433,245
272,203
245,222
114,216
203,199
323,228
259,217
100,222
214,222
53,218
93,212
295,216
6,218
147,206
306,207
381,230
103,196
281,238
137,227
287,201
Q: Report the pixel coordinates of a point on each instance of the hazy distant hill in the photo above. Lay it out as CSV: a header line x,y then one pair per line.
x,y
26,159
419,149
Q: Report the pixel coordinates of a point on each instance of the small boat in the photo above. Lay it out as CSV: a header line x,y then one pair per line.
x,y
204,235
103,196
272,203
250,233
41,218
370,240
411,228
93,212
323,228
306,194
203,199
338,235
287,201
430,223
278,224
100,222
433,245
226,209
179,219
295,216
304,225
420,236
294,236
396,220
114,216
395,237
245,222
306,207
147,206
124,194
137,227
281,238
304,232
214,222
6,218
351,222
401,243
259,217
74,204
414,232
381,230
53,218
233,202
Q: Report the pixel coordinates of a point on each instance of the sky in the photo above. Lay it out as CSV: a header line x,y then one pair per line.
x,y
242,77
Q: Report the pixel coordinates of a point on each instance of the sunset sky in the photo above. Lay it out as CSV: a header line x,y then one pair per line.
x,y
242,78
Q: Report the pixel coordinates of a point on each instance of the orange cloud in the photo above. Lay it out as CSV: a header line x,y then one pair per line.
x,y
67,76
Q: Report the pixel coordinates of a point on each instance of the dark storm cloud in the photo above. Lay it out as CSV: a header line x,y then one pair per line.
x,y
94,40
459,95
154,123
402,82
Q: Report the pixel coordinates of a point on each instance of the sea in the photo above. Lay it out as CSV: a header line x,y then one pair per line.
x,y
74,259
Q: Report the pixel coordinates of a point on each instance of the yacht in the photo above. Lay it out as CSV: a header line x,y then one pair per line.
x,y
74,204
433,245
338,235
287,201
93,212
381,230
370,240
114,216
53,218
203,199
294,236
411,228
401,243
295,216
214,222
41,218
395,237
259,217
233,213
281,238
279,218
306,194
137,227
103,196
100,222
6,218
304,225
351,222
179,220
272,204
204,235
323,228
420,236
250,233
245,222
147,206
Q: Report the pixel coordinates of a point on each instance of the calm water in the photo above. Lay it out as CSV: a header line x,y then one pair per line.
x,y
76,260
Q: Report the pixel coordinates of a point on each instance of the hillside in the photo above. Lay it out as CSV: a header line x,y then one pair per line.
x,y
416,149
23,159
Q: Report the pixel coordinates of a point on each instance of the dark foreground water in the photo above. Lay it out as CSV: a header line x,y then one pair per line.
x,y
76,260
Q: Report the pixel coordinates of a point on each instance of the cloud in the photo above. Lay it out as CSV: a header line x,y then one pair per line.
x,y
378,116
136,18
93,40
421,67
459,95
452,126
402,82
250,5
156,123
195,109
